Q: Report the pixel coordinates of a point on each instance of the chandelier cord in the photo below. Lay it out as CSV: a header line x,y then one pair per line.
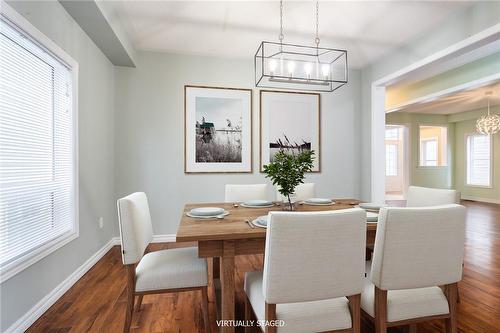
x,y
317,40
281,36
488,105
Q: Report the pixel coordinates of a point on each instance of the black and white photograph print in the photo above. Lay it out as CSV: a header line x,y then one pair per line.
x,y
217,129
289,122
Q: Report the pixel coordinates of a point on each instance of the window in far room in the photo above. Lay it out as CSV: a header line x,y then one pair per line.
x,y
479,160
433,146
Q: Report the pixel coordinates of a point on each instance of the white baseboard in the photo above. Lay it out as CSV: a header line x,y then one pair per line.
x,y
168,238
488,200
23,323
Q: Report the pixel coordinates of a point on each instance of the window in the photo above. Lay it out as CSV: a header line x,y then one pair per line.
x,y
433,146
479,160
392,133
391,160
430,152
37,148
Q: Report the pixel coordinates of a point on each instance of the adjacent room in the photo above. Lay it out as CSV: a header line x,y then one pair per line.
x,y
249,166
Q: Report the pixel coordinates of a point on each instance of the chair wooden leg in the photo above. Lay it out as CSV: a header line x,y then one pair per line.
x,y
130,297
380,310
204,308
248,314
271,316
355,309
139,303
451,291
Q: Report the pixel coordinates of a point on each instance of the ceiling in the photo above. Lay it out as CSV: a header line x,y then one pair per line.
x,y
367,29
459,101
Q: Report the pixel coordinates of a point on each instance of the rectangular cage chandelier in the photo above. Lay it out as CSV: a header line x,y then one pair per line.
x,y
308,68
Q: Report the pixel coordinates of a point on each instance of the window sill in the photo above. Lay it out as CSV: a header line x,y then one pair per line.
x,y
12,268
487,187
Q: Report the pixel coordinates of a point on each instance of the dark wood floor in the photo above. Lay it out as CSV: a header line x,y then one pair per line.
x,y
96,303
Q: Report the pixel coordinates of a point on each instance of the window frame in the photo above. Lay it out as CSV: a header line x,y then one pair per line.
x,y
14,267
424,151
396,160
466,173
419,166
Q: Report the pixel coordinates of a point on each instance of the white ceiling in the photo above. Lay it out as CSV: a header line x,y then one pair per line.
x,y
458,102
367,29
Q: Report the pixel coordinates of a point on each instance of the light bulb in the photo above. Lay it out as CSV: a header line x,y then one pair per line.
x,y
272,66
291,67
326,70
308,69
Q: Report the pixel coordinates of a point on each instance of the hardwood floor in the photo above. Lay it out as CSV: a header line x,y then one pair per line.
x,y
96,303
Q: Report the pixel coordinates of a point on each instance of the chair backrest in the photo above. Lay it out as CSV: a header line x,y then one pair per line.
x,y
314,255
244,192
418,247
417,196
136,230
302,192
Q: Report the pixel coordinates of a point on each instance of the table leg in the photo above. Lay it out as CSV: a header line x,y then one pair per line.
x,y
215,268
227,285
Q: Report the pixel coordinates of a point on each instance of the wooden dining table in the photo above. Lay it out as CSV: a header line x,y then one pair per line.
x,y
223,239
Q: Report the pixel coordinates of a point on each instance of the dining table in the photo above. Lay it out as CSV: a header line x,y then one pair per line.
x,y
224,238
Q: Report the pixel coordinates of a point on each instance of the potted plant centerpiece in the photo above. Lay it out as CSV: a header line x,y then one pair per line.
x,y
287,171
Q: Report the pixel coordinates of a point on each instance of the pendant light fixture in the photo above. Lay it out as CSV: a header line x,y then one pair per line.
x,y
299,67
490,123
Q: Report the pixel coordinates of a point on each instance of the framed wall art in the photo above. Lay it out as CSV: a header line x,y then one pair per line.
x,y
217,130
289,121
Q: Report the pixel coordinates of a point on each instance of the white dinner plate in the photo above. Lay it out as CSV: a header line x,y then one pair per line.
x,y
371,206
257,204
260,222
224,213
270,204
323,201
206,211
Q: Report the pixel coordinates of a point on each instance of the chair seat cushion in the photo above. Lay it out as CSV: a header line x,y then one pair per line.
x,y
406,303
317,316
171,269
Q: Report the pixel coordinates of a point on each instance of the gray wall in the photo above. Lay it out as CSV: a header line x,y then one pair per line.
x,y
149,134
96,157
471,20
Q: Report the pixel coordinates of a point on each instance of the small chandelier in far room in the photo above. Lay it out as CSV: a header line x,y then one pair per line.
x,y
490,123
299,67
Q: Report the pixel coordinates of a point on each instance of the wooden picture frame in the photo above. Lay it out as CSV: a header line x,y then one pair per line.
x,y
217,129
297,108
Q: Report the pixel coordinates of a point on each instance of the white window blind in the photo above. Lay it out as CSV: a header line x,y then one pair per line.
x,y
37,148
478,160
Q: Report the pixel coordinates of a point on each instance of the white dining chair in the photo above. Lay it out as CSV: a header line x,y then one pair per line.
x,y
302,192
417,251
417,196
165,271
244,192
313,272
